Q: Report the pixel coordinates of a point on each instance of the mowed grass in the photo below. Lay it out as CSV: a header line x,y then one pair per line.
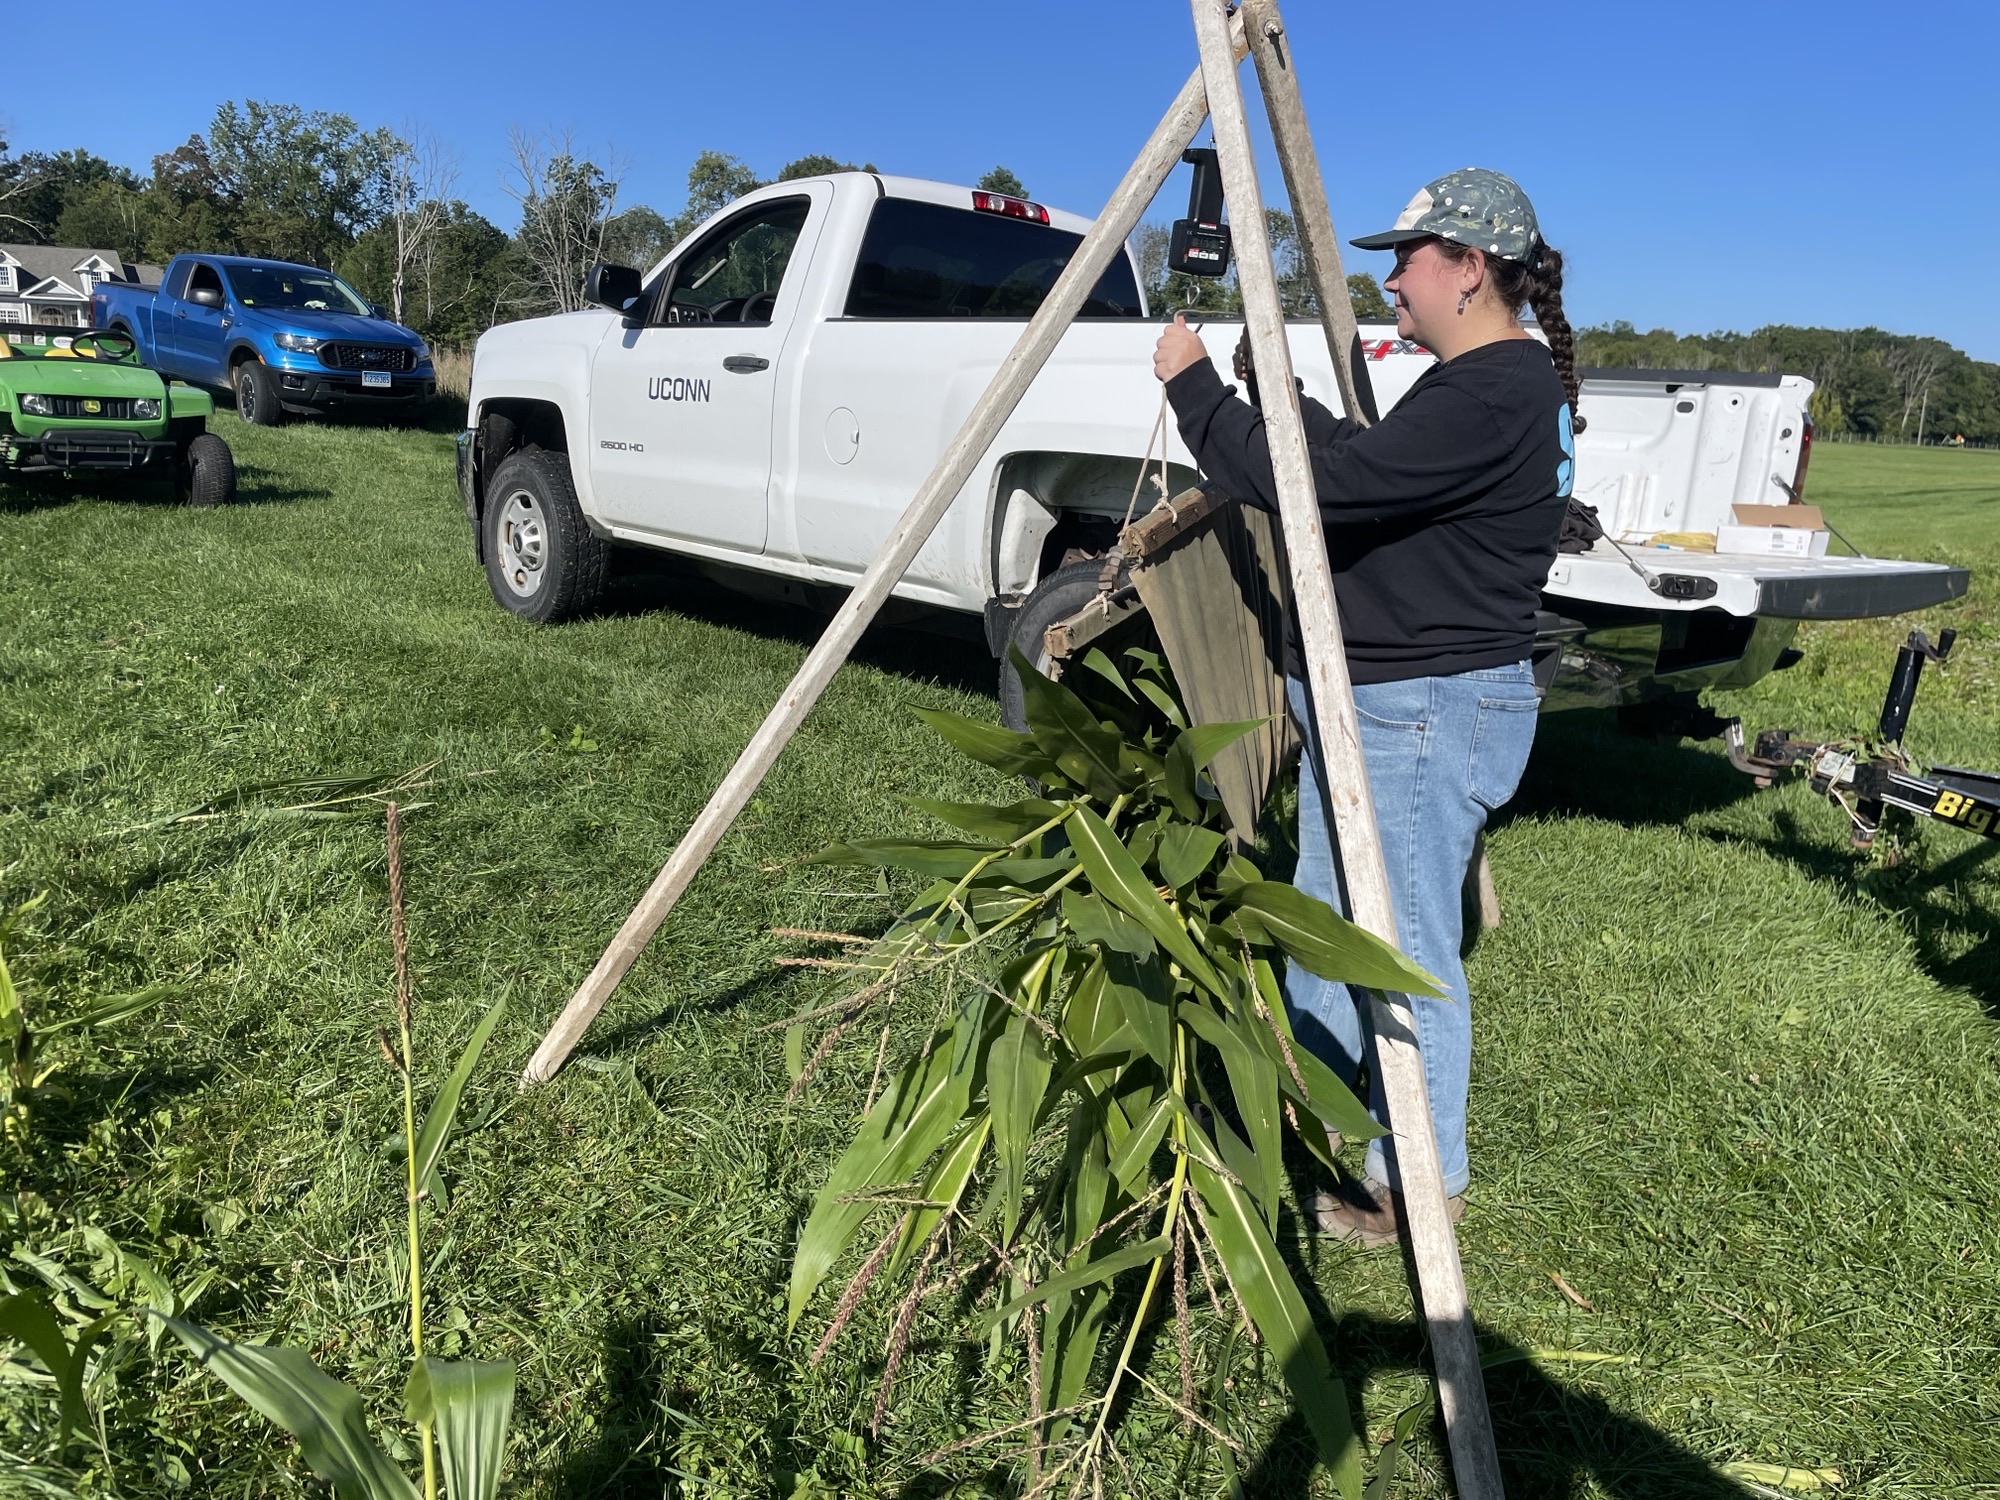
x,y
1735,1084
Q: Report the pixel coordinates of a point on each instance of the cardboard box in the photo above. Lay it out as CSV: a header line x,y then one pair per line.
x,y
1774,531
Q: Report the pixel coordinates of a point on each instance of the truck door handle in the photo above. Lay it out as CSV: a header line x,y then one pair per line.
x,y
745,364
180,312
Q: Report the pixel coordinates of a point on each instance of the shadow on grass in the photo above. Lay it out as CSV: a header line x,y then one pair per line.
x,y
1953,940
1553,1439
928,645
645,1410
1584,765
254,486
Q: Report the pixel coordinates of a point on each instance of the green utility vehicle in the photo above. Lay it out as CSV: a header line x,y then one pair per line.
x,y
71,402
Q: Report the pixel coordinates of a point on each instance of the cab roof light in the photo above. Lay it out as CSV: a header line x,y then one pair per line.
x,y
1014,208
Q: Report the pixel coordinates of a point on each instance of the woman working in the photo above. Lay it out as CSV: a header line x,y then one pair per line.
x,y
1440,523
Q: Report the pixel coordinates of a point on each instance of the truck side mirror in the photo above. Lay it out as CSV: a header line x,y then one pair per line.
x,y
615,287
205,296
377,310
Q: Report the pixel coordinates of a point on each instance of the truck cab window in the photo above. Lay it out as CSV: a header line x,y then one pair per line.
x,y
930,260
733,275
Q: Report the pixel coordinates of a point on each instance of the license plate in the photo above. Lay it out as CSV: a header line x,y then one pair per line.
x,y
375,379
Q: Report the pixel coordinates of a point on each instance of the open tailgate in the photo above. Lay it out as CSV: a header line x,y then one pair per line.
x,y
1784,588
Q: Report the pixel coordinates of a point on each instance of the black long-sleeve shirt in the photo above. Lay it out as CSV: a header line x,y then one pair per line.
x,y
1440,520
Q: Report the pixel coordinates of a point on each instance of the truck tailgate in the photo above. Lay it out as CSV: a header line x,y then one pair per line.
x,y
1783,588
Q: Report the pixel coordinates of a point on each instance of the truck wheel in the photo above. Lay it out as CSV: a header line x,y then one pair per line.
x,y
208,472
542,562
1055,598
257,394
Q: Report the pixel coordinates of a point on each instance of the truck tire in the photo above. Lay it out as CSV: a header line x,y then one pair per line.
x,y
542,562
257,394
208,472
1055,598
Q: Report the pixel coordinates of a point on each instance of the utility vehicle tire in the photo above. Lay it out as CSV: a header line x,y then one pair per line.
x,y
1057,597
208,472
542,562
257,394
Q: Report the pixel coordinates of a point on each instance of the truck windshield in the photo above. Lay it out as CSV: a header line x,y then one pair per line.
x,y
293,287
929,260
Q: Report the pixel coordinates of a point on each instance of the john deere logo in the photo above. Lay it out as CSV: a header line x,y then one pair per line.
x,y
93,407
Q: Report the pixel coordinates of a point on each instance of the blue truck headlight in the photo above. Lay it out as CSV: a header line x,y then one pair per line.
x,y
38,406
298,343
145,409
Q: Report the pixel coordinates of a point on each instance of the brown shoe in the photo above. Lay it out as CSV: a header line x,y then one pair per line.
x,y
1366,1213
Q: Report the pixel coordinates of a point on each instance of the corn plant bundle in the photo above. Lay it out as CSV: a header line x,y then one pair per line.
x,y
1098,1112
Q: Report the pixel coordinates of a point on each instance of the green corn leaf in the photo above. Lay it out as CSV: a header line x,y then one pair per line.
x,y
1068,733
29,1319
443,1113
1253,1081
110,1012
1124,1258
1392,1451
1237,872
1325,1096
325,1415
1005,751
1145,998
471,1404
1278,1312
908,1123
1315,935
1095,920
1071,1339
1103,666
1129,1162
1117,877
1163,701
946,859
1093,1021
1026,871
1017,1081
990,820
1185,851
943,1189
1194,749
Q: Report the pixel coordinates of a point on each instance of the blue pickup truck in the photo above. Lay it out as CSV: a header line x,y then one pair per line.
x,y
283,337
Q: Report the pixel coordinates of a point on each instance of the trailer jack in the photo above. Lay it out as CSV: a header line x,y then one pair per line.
x,y
1876,781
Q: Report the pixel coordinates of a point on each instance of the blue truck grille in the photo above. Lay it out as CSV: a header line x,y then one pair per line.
x,y
109,408
367,357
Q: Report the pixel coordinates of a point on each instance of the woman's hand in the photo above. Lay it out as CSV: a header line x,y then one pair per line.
x,y
1179,347
1242,364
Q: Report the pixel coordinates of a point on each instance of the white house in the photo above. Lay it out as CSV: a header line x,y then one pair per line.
x,y
50,285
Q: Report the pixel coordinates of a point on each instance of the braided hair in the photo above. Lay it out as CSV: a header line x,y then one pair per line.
x,y
1540,287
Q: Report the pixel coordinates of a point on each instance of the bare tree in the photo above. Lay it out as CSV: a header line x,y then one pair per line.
x,y
566,204
422,173
1913,364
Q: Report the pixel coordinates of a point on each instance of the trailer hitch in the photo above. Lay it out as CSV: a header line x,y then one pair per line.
x,y
1873,783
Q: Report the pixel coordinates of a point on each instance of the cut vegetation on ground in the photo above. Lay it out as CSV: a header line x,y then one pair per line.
x,y
1733,1100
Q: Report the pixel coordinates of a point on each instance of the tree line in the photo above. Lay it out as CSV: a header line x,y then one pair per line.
x,y
381,207
1866,382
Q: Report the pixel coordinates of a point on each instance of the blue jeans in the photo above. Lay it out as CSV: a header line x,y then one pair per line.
x,y
1441,752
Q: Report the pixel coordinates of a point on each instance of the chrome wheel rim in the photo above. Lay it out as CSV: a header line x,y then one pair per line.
x,y
522,538
246,397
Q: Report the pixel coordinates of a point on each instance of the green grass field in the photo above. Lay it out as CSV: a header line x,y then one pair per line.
x,y
1735,1085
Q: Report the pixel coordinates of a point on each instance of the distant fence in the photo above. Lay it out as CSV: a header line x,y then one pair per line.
x,y
1896,442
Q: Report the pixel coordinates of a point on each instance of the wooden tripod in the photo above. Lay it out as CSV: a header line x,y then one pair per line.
x,y
1213,92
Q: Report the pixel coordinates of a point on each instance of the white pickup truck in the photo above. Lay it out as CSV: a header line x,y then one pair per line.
x,y
768,398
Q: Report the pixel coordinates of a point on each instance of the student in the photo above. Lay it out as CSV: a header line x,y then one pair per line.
x,y
1440,522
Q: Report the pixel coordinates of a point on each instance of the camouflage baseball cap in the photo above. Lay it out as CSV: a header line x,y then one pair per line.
x,y
1473,206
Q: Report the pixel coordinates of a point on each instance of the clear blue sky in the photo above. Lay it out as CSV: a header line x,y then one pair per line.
x,y
1704,165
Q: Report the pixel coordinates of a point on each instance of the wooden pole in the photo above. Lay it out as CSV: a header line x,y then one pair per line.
x,y
1010,382
1278,82
1462,1392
